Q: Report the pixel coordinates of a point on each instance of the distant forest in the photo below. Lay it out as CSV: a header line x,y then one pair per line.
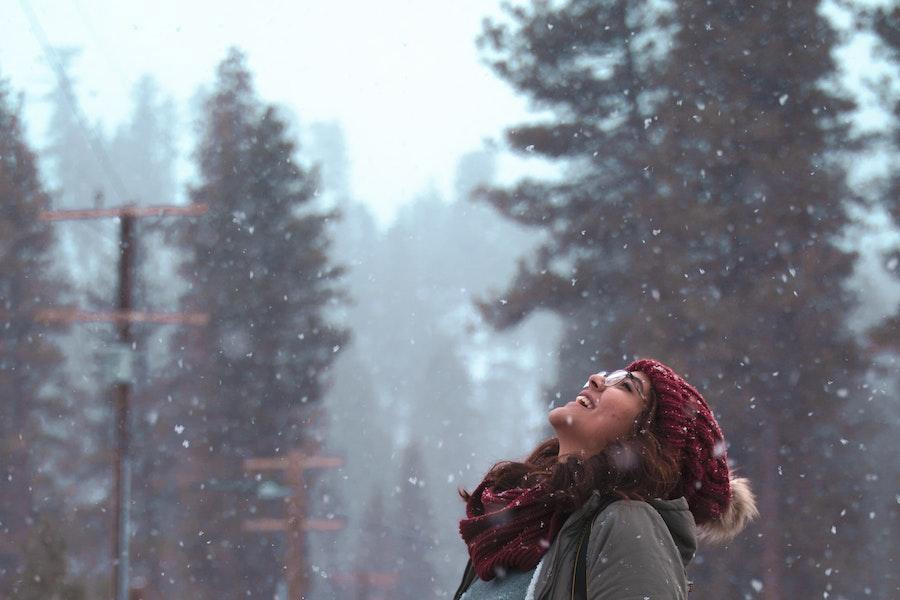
x,y
708,212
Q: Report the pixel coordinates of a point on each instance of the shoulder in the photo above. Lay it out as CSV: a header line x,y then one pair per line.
x,y
628,515
630,548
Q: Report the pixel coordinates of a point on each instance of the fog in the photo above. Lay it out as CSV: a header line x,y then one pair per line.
x,y
278,282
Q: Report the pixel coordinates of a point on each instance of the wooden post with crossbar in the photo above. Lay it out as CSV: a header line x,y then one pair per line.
x,y
292,465
123,317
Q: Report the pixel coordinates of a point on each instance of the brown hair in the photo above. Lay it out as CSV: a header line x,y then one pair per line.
x,y
637,467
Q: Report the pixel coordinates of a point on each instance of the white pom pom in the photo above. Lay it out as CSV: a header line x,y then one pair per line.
x,y
741,510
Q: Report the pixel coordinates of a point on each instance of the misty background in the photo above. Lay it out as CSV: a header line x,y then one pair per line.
x,y
427,225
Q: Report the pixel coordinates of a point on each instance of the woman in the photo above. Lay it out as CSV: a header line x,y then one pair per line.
x,y
636,473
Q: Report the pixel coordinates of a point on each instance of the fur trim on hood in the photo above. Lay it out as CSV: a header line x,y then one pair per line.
x,y
741,510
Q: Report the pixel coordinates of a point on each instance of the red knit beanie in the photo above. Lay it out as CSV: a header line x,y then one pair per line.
x,y
721,504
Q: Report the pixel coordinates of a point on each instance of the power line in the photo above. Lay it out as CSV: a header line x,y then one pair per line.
x,y
101,43
69,96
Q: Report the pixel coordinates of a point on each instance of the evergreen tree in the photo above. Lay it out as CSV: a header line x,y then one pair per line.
x,y
75,147
328,146
887,25
81,175
883,527
415,340
413,527
84,252
260,267
597,68
143,148
364,440
375,558
706,243
757,281
45,576
444,423
31,365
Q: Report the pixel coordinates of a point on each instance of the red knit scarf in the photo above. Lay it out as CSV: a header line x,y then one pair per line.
x,y
511,529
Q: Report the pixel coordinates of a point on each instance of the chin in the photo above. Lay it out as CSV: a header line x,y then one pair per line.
x,y
557,416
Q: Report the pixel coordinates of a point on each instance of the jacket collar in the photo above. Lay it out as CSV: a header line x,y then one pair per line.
x,y
562,542
675,513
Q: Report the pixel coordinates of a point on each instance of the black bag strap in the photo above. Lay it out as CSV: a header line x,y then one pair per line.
x,y
467,579
579,576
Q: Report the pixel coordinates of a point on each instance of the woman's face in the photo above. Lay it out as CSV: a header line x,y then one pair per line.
x,y
610,414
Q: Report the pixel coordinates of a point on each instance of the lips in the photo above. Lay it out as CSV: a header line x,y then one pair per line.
x,y
586,400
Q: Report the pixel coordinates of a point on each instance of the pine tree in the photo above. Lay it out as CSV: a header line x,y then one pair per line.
x,y
375,563
884,522
596,67
77,179
414,530
143,148
31,365
444,423
75,147
758,282
81,175
710,250
887,26
45,576
414,342
260,266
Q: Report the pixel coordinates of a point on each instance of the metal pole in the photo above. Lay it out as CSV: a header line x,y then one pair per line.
x,y
122,389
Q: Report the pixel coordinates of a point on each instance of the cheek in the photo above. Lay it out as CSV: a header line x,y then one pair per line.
x,y
617,416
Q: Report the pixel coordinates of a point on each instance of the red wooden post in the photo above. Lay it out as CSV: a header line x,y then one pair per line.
x,y
292,465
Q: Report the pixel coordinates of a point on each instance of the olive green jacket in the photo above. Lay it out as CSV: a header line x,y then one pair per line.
x,y
636,550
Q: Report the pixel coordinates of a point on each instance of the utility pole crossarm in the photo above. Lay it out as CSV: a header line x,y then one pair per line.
x,y
190,210
267,524
292,461
71,315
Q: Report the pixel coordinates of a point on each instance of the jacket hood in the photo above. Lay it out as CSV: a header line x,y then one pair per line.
x,y
678,518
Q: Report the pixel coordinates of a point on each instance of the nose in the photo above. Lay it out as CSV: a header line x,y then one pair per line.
x,y
597,380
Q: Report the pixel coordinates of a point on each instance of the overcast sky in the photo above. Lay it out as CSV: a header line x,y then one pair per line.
x,y
403,77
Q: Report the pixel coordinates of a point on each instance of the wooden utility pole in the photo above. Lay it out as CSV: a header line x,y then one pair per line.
x,y
123,318
123,424
292,465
